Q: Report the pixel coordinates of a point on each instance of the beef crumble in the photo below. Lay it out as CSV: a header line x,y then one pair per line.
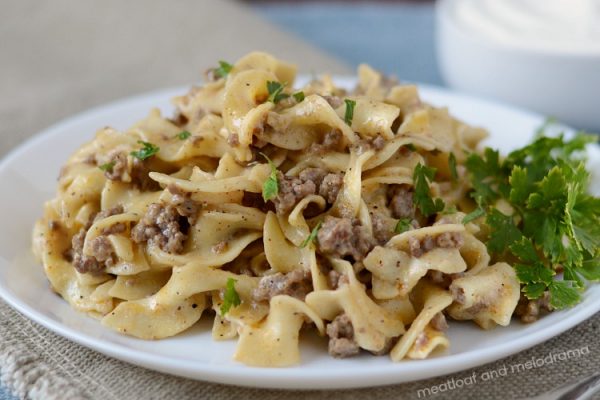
x,y
164,225
137,174
341,337
343,237
102,252
296,283
401,201
309,181
446,240
530,310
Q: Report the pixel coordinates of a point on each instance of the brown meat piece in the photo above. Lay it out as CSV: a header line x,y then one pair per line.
x,y
330,187
343,237
383,229
102,251
233,140
376,143
438,322
161,226
341,337
401,201
446,240
530,310
296,283
309,181
334,101
332,141
137,175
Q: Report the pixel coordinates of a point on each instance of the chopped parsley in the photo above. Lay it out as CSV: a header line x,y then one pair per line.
x,y
276,92
402,225
147,151
555,222
299,96
183,135
422,196
473,215
349,114
312,236
223,70
107,167
230,297
452,167
271,186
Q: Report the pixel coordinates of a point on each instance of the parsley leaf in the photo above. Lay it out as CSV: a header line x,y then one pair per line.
x,y
473,215
503,231
107,167
276,92
452,166
183,135
147,151
312,236
402,225
422,197
230,297
349,113
299,96
563,294
271,186
223,70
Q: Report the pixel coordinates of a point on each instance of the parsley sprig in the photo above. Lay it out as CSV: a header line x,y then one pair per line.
x,y
555,225
349,113
147,151
230,297
271,186
107,167
183,135
422,176
223,70
312,236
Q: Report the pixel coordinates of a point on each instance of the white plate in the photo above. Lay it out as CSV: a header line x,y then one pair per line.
x,y
28,176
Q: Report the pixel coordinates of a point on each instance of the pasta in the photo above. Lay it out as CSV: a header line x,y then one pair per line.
x,y
271,209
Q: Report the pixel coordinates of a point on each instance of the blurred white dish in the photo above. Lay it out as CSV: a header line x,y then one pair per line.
x,y
28,175
525,53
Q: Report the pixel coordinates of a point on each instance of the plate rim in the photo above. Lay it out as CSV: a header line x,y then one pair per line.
x,y
280,378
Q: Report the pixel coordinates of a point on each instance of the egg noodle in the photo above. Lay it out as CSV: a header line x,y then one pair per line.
x,y
270,209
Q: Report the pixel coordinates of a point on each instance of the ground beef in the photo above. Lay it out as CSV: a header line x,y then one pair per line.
x,y
309,181
330,187
118,159
530,310
343,237
161,226
364,145
383,227
137,175
401,201
102,251
332,141
438,322
341,337
446,240
334,101
296,283
233,140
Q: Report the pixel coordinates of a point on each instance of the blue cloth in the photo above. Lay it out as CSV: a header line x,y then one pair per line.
x,y
396,38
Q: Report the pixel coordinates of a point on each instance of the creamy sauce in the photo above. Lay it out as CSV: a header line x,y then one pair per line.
x,y
570,25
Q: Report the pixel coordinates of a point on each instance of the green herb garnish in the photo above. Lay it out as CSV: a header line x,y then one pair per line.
x,y
276,92
349,114
402,225
452,166
312,236
270,187
473,215
230,297
299,96
223,70
422,196
183,135
555,222
147,151
107,167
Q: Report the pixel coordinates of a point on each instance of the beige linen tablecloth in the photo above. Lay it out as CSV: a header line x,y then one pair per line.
x,y
61,57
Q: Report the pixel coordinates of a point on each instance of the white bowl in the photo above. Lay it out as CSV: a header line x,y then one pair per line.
x,y
558,82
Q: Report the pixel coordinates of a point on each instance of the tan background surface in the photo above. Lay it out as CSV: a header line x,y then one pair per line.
x,y
61,57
